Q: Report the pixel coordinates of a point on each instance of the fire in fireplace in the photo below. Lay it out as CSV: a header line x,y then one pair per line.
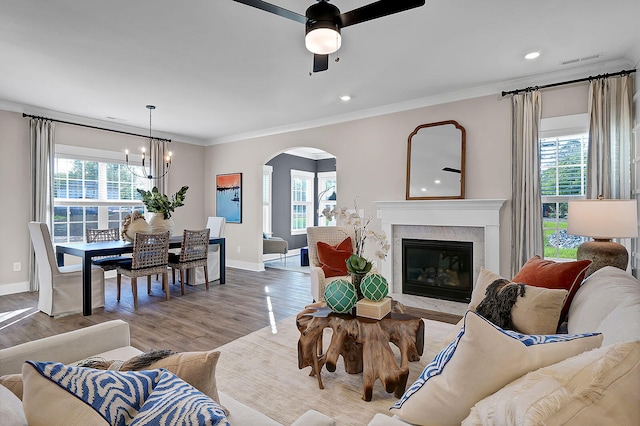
x,y
438,269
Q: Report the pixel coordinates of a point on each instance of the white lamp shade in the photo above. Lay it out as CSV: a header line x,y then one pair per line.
x,y
323,41
603,219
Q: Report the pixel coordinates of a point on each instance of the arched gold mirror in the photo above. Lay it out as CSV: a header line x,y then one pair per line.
x,y
435,161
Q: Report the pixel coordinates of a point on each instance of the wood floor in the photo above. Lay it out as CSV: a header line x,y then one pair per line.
x,y
199,320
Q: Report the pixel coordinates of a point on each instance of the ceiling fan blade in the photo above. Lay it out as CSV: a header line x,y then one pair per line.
x,y
377,9
320,62
277,10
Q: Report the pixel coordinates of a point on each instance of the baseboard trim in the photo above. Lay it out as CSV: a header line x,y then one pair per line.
x,y
13,288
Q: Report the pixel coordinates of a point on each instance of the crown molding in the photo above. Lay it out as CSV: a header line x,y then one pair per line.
x,y
110,125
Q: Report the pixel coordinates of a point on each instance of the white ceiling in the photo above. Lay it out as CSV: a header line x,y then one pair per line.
x,y
220,71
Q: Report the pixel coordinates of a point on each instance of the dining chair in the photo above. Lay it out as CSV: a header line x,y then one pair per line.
x,y
60,287
150,256
193,254
196,277
107,263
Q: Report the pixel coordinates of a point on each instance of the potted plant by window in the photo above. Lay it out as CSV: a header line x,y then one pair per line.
x,y
160,207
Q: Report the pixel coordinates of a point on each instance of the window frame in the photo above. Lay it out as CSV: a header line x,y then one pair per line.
x,y
563,127
308,203
267,199
105,209
326,180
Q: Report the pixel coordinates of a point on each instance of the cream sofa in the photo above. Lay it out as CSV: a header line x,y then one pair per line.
x,y
109,340
608,302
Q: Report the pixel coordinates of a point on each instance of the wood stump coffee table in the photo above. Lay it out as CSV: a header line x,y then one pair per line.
x,y
364,345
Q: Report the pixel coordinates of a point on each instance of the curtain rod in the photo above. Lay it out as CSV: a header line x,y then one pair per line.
x,y
94,127
580,80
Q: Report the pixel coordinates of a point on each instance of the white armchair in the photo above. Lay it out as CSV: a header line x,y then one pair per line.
x,y
60,288
216,227
331,235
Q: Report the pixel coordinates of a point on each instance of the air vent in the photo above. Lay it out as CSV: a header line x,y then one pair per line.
x,y
583,59
588,58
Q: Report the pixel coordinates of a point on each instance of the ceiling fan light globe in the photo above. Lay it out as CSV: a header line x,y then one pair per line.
x,y
323,41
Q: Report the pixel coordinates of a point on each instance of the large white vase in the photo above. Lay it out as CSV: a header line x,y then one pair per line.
x,y
159,224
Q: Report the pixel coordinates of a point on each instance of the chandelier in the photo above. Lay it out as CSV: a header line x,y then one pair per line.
x,y
157,162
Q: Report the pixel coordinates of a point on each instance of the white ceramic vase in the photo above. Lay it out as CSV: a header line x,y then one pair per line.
x,y
159,224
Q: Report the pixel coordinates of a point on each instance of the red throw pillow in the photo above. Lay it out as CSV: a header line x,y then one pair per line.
x,y
549,274
333,258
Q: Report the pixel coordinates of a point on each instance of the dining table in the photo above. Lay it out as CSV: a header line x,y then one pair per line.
x,y
87,251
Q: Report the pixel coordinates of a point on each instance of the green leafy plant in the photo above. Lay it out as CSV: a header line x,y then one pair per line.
x,y
155,202
358,265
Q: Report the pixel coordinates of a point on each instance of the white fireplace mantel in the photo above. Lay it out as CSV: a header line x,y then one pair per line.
x,y
459,212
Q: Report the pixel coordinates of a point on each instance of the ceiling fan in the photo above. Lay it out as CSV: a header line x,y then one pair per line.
x,y
323,22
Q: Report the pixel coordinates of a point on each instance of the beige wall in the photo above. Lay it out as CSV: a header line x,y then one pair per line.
x,y
187,169
14,193
371,163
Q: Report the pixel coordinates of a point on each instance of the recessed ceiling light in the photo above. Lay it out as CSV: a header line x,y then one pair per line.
x,y
437,181
532,55
345,98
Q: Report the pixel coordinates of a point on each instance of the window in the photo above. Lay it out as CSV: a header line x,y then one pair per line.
x,y
327,186
301,201
91,193
563,160
267,173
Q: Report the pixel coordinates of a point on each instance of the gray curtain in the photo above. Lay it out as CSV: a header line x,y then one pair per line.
x,y
610,138
42,164
159,164
526,221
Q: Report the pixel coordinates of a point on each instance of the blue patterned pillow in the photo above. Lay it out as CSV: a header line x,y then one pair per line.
x,y
482,359
176,402
129,397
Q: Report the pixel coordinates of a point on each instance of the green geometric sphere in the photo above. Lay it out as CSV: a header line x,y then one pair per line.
x,y
340,296
374,287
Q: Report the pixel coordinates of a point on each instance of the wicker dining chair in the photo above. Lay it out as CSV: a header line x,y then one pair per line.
x,y
193,254
150,256
107,263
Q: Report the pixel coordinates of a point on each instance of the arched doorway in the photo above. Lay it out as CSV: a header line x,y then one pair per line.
x,y
297,184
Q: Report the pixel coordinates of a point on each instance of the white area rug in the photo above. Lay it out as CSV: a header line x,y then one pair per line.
x,y
261,371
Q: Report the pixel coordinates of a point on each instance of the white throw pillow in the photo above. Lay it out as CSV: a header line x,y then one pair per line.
x,y
11,412
537,312
481,360
597,387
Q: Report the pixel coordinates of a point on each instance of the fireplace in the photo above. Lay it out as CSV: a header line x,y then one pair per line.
x,y
438,269
472,220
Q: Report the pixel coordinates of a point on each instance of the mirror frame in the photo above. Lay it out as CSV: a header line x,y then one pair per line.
x,y
462,160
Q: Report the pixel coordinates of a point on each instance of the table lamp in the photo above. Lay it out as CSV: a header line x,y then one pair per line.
x,y
603,220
